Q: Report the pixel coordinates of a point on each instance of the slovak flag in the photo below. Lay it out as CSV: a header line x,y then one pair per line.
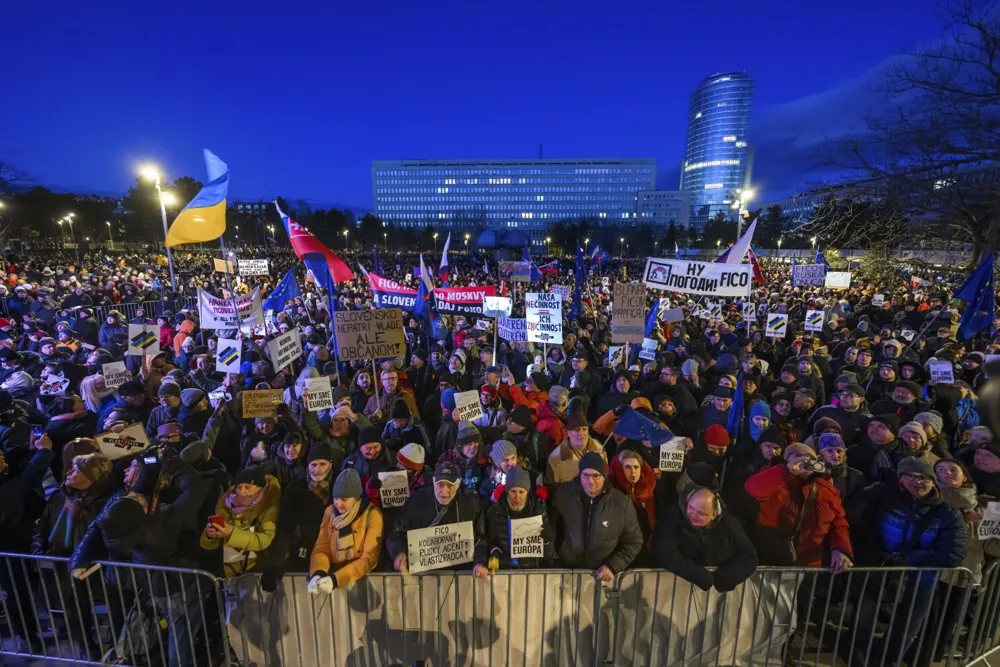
x,y
443,269
758,275
304,243
552,268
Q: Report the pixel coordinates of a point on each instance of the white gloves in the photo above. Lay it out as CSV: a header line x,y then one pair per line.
x,y
320,585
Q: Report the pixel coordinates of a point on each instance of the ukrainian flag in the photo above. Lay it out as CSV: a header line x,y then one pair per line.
x,y
204,219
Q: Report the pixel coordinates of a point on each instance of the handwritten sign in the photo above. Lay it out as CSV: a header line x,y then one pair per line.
x,y
838,279
285,349
253,267
814,320
672,456
942,372
878,299
261,402
369,334
114,374
319,396
514,330
543,317
526,538
126,442
395,489
219,313
777,324
468,405
439,546
144,339
228,355
628,312
562,291
223,267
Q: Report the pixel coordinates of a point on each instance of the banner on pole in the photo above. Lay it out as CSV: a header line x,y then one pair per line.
x,y
806,275
518,272
690,277
497,306
217,313
369,334
543,316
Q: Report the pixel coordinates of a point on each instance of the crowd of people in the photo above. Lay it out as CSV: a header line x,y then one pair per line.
x,y
817,449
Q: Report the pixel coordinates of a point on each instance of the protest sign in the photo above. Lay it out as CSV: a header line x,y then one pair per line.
x,y
223,267
672,315
126,442
805,275
261,402
648,351
628,312
878,299
777,324
989,526
562,291
518,272
814,320
319,396
369,334
395,489
54,386
690,277
439,546
942,372
497,306
450,300
543,318
838,279
144,339
468,405
218,313
229,354
526,537
482,325
285,349
514,330
672,456
749,311
616,355
114,374
253,267
908,334
715,311
605,281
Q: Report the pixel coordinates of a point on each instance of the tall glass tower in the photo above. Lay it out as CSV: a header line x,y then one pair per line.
x,y
717,162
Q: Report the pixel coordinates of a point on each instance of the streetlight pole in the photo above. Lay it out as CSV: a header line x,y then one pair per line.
x,y
72,237
154,174
435,243
586,246
385,240
346,246
621,246
466,244
111,238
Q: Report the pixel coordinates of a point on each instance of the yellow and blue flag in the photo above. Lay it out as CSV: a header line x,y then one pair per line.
x,y
204,219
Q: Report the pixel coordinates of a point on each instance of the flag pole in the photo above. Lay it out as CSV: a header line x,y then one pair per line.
x,y
229,286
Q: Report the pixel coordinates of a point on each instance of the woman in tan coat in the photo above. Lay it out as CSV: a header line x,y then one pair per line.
x,y
350,539
564,461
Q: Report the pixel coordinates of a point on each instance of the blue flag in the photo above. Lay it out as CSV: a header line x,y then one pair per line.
x,y
820,258
377,263
677,252
286,290
581,279
652,319
977,292
536,275
735,423
634,426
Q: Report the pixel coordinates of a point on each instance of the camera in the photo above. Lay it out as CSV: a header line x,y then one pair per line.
x,y
815,467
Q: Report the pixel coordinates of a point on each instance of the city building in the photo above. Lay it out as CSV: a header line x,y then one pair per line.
x,y
661,207
799,207
717,160
530,194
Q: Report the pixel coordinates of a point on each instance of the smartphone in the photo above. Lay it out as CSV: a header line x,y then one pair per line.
x,y
149,459
37,432
217,520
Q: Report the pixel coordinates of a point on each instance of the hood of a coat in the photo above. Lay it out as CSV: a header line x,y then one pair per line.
x,y
641,489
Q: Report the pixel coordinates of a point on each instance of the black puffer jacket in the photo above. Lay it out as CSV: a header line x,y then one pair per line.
x,y
422,507
16,491
498,532
595,532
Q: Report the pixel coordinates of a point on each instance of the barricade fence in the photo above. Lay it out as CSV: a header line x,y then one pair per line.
x,y
144,616
150,309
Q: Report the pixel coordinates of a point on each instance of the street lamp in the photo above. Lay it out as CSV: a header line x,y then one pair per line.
x,y
345,241
385,239
779,244
270,228
621,246
435,243
111,238
547,240
814,242
586,246
718,244
62,237
151,173
741,207
466,243
656,244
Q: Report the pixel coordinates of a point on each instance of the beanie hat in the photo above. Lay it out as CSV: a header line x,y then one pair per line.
x,y
411,456
369,434
168,389
915,465
772,434
849,377
190,397
932,419
521,415
826,424
518,478
716,435
95,467
760,409
593,461
321,451
917,429
467,432
347,485
255,475
830,440
911,387
195,453
890,420
131,387
448,398
344,412
699,473
576,420
723,392
122,517
169,428
541,380
501,450
800,449
399,410
460,353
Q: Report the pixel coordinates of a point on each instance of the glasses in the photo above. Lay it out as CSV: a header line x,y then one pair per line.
x,y
916,477
591,476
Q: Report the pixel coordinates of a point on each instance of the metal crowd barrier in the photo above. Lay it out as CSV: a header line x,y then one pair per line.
x,y
134,615
150,309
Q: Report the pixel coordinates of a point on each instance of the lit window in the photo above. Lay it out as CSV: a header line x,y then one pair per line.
x,y
729,137
697,115
713,186
741,144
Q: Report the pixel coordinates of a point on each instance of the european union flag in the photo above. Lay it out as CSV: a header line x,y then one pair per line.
x,y
735,423
581,279
652,319
821,258
977,292
377,264
634,426
536,275
286,290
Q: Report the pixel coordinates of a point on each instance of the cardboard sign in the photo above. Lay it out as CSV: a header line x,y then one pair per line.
x,y
114,374
439,546
777,324
672,456
648,351
838,279
878,299
468,405
369,334
319,396
690,277
229,354
543,318
497,306
54,386
514,330
672,315
219,313
223,267
526,537
253,267
562,291
395,489
261,402
285,349
144,339
130,440
628,312
942,372
814,320
616,355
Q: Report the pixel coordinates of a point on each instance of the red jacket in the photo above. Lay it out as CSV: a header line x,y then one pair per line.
x,y
782,496
550,423
640,493
532,399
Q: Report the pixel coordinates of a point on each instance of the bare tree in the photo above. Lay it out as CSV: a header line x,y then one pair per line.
x,y
11,177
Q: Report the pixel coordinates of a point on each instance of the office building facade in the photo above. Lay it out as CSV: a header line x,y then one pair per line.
x,y
662,207
717,159
530,194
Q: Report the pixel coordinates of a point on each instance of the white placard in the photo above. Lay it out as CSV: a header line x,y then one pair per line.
x,y
319,396
497,306
989,527
715,311
543,318
54,386
217,313
690,277
673,315
482,325
777,324
562,291
228,355
526,538
439,546
130,440
749,311
908,334
672,455
648,351
285,349
838,279
942,372
395,489
514,330
114,374
616,355
468,405
878,299
814,320
144,339
604,282
253,267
